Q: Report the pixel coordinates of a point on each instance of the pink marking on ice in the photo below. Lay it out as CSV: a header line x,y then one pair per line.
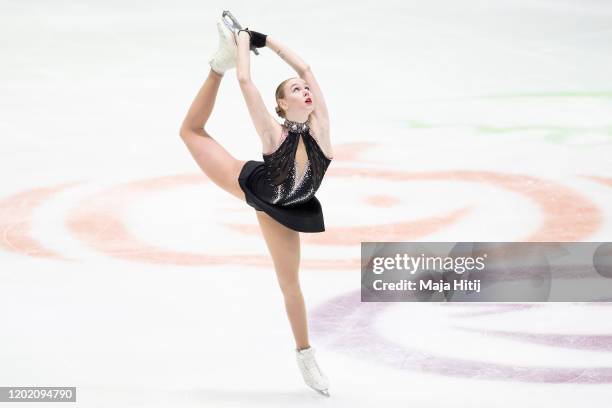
x,y
16,221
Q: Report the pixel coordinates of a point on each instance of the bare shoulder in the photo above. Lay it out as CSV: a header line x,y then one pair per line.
x,y
320,131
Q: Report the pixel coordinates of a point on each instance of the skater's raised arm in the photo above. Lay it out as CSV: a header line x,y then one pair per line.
x,y
264,122
287,55
304,71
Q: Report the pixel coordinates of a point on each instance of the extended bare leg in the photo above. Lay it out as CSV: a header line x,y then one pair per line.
x,y
284,246
216,162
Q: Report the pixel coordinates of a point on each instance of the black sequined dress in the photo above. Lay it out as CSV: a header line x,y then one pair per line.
x,y
282,190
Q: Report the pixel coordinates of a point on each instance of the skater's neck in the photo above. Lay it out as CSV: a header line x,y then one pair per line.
x,y
297,118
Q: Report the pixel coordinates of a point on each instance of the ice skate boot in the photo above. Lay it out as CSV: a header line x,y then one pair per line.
x,y
225,57
312,374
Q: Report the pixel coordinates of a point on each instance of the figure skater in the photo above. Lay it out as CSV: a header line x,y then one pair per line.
x,y
280,188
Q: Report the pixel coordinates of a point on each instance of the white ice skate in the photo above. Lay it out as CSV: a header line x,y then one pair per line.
x,y
225,57
312,374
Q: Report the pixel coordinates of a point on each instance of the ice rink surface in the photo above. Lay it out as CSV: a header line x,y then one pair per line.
x,y
125,272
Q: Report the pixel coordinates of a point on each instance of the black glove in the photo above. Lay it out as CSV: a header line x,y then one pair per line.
x,y
258,40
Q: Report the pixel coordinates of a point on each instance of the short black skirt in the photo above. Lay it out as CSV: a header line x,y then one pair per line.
x,y
303,217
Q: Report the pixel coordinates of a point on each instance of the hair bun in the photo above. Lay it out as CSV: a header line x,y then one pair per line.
x,y
280,112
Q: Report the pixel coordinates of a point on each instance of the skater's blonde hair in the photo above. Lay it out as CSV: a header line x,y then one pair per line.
x,y
280,94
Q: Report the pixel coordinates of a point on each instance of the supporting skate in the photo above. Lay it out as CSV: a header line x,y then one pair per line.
x,y
233,25
312,374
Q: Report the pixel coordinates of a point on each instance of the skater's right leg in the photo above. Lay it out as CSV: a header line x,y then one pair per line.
x,y
216,162
284,247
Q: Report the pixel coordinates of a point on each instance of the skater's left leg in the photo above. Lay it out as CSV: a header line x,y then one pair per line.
x,y
214,160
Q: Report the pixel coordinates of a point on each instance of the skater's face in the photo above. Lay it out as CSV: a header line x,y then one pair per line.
x,y
297,97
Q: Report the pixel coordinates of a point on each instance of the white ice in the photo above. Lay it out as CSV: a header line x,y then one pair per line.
x,y
93,93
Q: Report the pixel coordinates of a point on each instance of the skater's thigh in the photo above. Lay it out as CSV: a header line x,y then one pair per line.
x,y
216,162
284,246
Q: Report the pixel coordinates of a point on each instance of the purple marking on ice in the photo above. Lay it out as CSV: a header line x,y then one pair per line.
x,y
594,342
497,309
347,324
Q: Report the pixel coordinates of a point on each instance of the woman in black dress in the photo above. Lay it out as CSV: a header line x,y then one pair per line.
x,y
280,188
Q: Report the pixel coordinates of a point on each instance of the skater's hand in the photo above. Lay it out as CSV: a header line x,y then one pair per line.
x,y
243,37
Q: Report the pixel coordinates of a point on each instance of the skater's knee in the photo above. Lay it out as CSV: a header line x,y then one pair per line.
x,y
244,79
290,289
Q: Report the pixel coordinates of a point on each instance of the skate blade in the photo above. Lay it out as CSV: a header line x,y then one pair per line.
x,y
323,392
230,21
233,25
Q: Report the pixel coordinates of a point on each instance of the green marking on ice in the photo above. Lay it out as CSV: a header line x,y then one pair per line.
x,y
420,125
554,134
550,133
573,94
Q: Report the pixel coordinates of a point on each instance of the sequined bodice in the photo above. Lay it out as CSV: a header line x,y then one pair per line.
x,y
289,184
